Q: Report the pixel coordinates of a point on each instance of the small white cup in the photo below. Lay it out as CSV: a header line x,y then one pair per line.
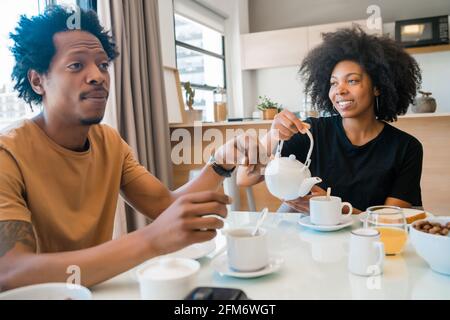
x,y
167,278
366,254
327,212
246,252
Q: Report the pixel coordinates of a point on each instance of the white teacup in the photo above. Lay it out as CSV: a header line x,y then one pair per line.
x,y
167,278
246,252
366,254
327,211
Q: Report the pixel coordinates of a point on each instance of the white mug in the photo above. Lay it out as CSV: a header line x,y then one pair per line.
x,y
167,278
366,254
327,212
246,252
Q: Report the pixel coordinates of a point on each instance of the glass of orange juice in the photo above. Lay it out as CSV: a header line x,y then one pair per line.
x,y
390,221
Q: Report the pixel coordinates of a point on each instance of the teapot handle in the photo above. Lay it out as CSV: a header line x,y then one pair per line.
x,y
311,146
279,148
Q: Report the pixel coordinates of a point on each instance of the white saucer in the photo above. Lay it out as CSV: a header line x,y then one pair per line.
x,y
344,223
196,251
220,264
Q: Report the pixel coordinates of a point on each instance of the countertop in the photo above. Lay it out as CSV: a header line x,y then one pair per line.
x,y
262,122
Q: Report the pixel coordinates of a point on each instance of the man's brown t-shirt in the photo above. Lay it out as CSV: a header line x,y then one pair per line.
x,y
69,197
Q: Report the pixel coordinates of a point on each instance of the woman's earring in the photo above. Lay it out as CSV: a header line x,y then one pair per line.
x,y
378,108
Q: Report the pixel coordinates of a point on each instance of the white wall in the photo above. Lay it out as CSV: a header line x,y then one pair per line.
x,y
435,77
280,84
284,86
268,15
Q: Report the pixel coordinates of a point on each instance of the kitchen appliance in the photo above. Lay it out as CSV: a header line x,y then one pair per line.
x,y
422,31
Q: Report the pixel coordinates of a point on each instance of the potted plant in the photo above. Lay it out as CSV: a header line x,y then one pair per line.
x,y
191,114
268,107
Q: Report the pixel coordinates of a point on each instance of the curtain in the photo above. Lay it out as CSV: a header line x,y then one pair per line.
x,y
139,110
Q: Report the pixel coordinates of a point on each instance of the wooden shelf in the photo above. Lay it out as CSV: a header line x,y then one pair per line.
x,y
223,124
428,49
426,115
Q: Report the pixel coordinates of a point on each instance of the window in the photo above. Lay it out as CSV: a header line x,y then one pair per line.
x,y
84,4
11,107
200,60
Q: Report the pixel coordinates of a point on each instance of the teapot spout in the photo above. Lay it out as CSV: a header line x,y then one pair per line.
x,y
307,185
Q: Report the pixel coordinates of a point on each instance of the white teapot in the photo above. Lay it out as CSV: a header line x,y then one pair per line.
x,y
287,178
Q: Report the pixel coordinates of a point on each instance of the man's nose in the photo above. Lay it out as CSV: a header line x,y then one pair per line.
x,y
95,75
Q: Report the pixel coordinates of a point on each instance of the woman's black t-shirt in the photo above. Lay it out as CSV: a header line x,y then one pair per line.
x,y
389,165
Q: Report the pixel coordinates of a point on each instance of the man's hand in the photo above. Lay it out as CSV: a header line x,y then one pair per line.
x,y
302,204
188,220
245,150
253,154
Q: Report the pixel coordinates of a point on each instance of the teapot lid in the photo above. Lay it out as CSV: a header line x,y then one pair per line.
x,y
292,157
289,162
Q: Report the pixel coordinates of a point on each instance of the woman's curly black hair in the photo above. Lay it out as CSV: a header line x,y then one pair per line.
x,y
33,47
392,70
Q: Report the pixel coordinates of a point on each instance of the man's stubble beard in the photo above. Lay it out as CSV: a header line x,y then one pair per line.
x,y
91,121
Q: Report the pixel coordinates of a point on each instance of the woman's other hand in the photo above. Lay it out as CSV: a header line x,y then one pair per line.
x,y
301,204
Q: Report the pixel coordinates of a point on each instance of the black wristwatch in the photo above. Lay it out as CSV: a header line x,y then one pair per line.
x,y
221,171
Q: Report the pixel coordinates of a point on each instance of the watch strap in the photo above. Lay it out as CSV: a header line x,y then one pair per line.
x,y
221,171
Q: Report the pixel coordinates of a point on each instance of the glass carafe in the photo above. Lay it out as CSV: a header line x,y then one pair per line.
x,y
220,104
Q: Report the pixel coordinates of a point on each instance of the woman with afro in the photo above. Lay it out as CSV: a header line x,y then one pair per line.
x,y
362,82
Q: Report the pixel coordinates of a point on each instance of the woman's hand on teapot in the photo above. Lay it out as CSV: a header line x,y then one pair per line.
x,y
286,124
302,204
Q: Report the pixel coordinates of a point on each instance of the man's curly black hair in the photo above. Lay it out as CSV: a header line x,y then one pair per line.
x,y
392,70
33,47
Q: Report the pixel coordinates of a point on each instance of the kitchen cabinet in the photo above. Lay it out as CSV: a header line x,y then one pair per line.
x,y
315,32
287,47
274,48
